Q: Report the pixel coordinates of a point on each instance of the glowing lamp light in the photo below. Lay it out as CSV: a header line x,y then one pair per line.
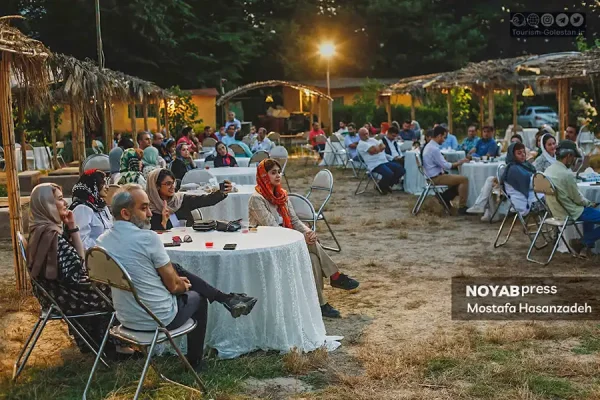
x,y
327,49
269,99
528,92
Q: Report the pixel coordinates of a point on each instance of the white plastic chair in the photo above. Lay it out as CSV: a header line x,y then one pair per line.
x,y
199,176
96,161
257,158
369,176
280,154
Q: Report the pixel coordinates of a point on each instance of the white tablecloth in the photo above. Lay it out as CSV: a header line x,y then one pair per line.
x,y
234,207
477,172
200,163
592,193
39,154
239,175
413,180
272,265
329,158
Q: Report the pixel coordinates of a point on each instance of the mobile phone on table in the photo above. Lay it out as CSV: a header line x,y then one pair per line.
x,y
230,246
172,244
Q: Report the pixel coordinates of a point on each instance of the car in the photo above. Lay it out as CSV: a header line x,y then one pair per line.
x,y
537,116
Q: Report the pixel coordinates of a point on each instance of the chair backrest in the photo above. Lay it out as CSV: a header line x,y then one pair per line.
x,y
197,214
209,142
96,161
237,149
60,145
112,189
102,268
500,172
335,138
247,140
258,157
323,181
320,139
303,207
274,137
199,176
279,152
230,152
543,184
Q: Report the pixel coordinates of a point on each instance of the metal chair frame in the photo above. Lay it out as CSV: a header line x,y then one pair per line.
x,y
339,154
52,313
501,192
368,175
123,282
430,186
543,184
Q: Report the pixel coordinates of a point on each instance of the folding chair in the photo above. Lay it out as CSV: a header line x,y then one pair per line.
x,y
258,157
106,270
97,161
498,191
209,142
323,181
237,149
338,151
112,189
280,154
322,139
60,147
199,176
52,313
430,186
369,176
543,184
274,137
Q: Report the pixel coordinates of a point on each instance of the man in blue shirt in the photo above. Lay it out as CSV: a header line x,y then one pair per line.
x,y
450,142
406,133
231,120
351,142
487,146
471,140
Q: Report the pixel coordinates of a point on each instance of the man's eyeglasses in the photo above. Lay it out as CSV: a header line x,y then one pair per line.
x,y
168,184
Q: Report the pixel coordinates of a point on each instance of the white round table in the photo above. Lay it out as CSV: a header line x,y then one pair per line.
x,y
201,163
239,175
234,207
453,155
477,172
592,193
272,265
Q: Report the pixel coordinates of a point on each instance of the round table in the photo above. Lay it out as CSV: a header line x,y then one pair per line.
x,y
592,193
413,180
453,156
234,207
200,162
239,175
477,172
272,265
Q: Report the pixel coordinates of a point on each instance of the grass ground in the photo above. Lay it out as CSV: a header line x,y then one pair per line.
x,y
400,342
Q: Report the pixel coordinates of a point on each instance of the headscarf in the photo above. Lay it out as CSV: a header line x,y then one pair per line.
x,y
167,155
545,154
186,161
156,203
130,167
227,159
45,226
87,190
150,156
517,174
274,195
417,126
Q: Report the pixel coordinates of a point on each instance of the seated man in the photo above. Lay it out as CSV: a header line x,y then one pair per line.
x,y
233,137
372,151
406,133
436,168
572,203
450,141
262,141
232,120
487,146
351,142
471,140
390,140
170,292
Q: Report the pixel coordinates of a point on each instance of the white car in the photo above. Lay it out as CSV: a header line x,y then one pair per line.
x,y
537,116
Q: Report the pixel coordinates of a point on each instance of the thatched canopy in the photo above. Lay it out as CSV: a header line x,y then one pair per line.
x,y
572,65
28,62
412,84
257,85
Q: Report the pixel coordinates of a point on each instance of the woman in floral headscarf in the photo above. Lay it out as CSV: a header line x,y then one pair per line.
x,y
270,206
131,168
89,206
183,162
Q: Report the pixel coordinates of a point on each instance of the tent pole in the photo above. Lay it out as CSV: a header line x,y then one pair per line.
x,y
133,124
145,110
491,106
413,111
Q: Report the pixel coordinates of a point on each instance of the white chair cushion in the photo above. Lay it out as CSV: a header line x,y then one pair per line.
x,y
556,222
145,338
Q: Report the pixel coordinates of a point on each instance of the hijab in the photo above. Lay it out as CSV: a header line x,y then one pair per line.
x,y
87,190
156,203
274,195
45,226
517,174
130,167
545,154
150,156
186,161
227,158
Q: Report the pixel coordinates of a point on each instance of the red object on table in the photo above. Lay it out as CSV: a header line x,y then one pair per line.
x,y
208,244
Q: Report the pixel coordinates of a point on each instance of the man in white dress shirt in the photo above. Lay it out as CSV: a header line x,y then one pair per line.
x,y
372,151
262,141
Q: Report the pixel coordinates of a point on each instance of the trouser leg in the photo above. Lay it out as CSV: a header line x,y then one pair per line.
x,y
199,285
387,176
323,267
455,180
192,305
591,233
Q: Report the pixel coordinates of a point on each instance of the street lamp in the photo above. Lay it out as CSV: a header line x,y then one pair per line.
x,y
327,50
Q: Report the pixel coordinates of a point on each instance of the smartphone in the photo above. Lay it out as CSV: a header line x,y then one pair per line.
x,y
230,246
172,244
222,186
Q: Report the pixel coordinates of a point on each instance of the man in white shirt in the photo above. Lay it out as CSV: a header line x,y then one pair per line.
x,y
436,168
343,129
170,292
392,149
262,142
372,151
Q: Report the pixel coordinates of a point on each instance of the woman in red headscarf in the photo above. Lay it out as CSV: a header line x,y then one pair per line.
x,y
270,206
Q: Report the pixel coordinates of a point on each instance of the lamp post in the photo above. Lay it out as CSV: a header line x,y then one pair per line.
x,y
327,50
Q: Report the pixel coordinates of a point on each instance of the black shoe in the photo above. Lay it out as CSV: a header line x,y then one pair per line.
x,y
344,282
239,304
384,191
577,245
329,312
462,211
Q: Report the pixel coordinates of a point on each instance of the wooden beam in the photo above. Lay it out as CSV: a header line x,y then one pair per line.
x,y
481,111
81,138
300,92
110,133
562,94
21,116
450,117
74,134
312,110
167,118
413,111
145,111
319,120
12,178
514,119
491,108
133,124
157,104
388,109
54,163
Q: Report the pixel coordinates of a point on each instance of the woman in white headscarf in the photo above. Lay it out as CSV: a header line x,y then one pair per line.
x,y
548,157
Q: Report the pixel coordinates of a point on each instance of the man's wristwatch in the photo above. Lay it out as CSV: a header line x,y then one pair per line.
x,y
71,231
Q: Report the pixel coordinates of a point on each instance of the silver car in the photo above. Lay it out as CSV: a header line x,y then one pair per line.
x,y
536,116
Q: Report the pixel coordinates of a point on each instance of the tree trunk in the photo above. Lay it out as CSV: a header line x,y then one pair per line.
x,y
167,118
515,110
21,114
133,124
55,163
110,133
75,133
450,118
413,111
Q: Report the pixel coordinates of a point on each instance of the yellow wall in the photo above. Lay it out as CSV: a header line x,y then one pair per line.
x,y
207,109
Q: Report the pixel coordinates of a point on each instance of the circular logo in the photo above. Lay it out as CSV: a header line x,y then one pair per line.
x,y
576,20
562,20
547,20
518,20
533,20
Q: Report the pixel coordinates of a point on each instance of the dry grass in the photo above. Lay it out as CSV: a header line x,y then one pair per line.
x,y
335,219
413,305
394,224
298,363
369,221
13,301
402,235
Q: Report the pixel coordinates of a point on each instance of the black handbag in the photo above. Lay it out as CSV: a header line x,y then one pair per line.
x,y
204,225
229,226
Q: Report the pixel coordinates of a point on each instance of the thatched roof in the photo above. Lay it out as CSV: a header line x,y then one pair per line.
x,y
572,65
411,84
257,85
28,62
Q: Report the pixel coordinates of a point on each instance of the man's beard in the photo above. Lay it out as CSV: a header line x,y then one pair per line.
x,y
140,222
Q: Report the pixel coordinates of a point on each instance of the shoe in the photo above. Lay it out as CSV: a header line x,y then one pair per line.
x,y
329,312
462,211
576,245
239,304
486,216
344,282
476,210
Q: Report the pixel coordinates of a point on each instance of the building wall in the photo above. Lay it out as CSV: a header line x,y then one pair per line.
x,y
207,109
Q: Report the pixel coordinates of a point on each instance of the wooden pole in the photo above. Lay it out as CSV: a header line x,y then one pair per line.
x,y
300,92
481,111
388,109
110,133
167,118
319,111
157,104
312,111
450,118
491,106
21,115
562,94
145,110
413,111
74,134
514,110
55,164
12,178
81,139
133,124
